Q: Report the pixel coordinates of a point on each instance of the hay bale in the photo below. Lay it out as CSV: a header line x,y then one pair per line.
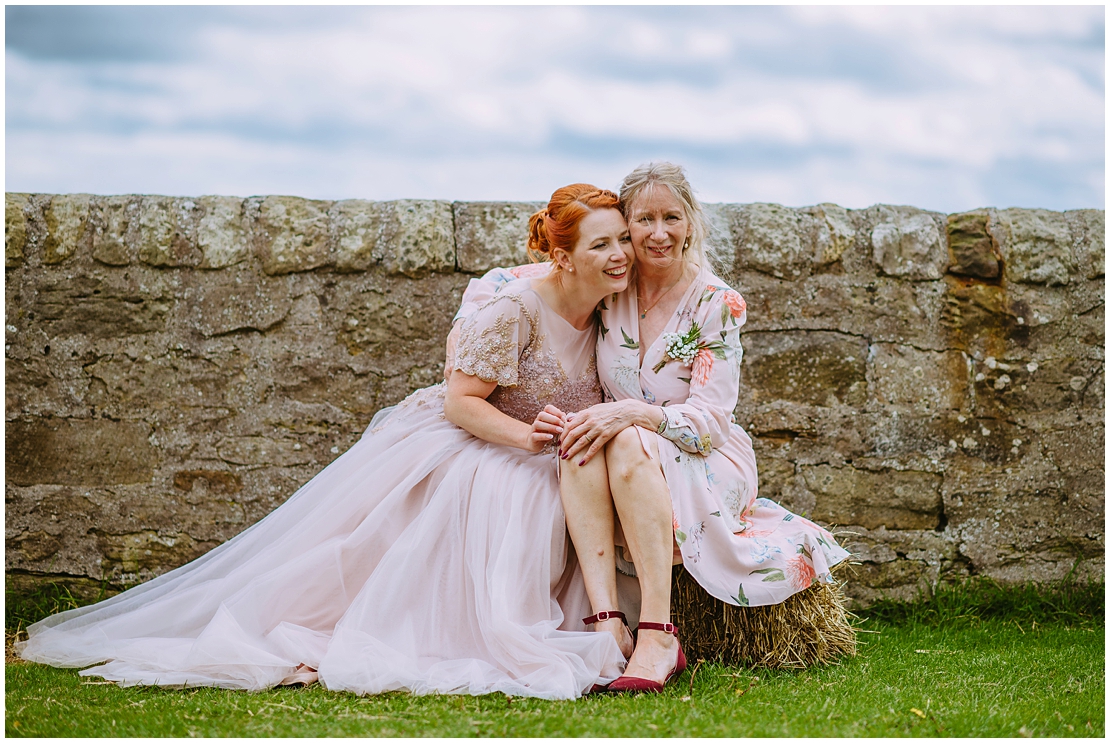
x,y
809,628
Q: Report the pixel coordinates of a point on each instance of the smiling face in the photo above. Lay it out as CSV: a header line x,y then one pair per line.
x,y
602,255
659,227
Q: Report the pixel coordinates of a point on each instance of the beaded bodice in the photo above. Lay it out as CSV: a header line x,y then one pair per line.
x,y
535,357
543,382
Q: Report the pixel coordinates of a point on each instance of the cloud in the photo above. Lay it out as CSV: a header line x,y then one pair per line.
x,y
934,106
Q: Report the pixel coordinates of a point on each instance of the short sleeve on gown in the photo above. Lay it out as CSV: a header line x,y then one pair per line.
x,y
480,291
493,338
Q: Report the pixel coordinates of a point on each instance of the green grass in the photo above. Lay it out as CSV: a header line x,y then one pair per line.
x,y
22,608
958,664
1062,602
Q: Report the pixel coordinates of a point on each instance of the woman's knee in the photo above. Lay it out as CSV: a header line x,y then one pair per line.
x,y
625,455
587,482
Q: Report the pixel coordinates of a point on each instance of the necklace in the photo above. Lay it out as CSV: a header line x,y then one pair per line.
x,y
660,298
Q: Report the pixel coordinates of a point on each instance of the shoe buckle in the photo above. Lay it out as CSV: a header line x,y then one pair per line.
x,y
603,616
669,628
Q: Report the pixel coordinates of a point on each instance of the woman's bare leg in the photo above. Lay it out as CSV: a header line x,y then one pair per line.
x,y
643,504
589,512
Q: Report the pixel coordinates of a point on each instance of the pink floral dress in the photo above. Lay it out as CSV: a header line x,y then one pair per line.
x,y
741,548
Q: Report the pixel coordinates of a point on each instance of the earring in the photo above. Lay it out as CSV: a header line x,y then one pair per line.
x,y
570,268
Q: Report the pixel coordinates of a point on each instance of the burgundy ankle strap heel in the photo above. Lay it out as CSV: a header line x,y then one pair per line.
x,y
634,683
603,616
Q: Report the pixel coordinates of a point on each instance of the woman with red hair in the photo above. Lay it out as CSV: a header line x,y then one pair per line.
x,y
432,555
662,451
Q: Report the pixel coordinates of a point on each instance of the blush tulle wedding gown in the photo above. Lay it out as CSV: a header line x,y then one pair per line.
x,y
423,558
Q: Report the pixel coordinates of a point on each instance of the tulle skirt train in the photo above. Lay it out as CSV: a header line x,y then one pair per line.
x,y
422,559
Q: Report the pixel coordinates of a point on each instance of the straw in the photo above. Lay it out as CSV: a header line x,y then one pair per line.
x,y
810,628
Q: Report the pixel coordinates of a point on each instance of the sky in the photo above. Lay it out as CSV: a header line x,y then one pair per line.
x,y
944,108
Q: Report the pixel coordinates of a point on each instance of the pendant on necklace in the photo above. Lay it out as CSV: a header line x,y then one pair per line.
x,y
643,315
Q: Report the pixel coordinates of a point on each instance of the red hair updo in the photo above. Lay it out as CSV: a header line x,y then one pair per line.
x,y
556,226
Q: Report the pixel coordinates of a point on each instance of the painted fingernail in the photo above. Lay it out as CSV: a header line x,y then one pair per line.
x,y
582,463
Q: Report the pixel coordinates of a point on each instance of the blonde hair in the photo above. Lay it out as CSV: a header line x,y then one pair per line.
x,y
673,177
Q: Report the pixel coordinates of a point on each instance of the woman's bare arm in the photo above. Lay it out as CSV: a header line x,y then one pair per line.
x,y
466,406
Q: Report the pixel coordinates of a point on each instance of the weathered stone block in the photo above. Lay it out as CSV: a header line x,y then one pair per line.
x,y
770,238
407,237
215,481
338,387
143,555
1027,534
357,226
1043,566
78,452
896,500
1022,522
220,234
490,234
775,475
15,228
925,381
880,546
226,301
167,231
898,439
1034,306
260,450
979,318
781,419
835,233
116,230
988,438
1079,451
28,383
389,325
100,306
906,242
292,234
813,367
1088,230
35,546
878,308
902,580
67,504
808,434
1037,245
418,237
1018,388
719,248
170,381
973,250
67,227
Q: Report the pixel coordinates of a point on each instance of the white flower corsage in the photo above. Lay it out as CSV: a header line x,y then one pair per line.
x,y
684,347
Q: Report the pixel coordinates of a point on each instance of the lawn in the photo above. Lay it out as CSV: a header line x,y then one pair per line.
x,y
978,663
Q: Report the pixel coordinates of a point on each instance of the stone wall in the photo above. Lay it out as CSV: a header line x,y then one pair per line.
x,y
930,384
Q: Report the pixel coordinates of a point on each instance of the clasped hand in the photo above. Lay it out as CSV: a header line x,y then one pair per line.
x,y
587,431
547,427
